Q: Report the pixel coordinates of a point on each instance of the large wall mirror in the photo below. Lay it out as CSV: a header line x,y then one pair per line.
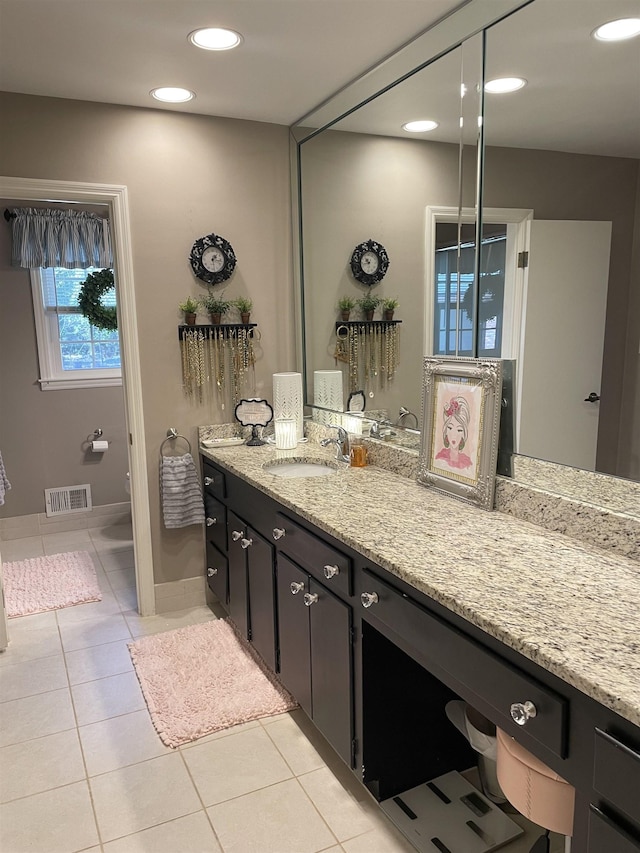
x,y
558,179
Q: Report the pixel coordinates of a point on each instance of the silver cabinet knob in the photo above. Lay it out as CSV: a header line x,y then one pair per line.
x,y
296,587
310,598
236,534
244,543
279,532
331,571
211,521
523,711
369,598
208,481
211,572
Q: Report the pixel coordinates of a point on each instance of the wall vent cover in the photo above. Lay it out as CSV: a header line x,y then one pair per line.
x,y
67,499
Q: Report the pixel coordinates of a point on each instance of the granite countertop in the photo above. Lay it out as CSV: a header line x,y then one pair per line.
x,y
569,607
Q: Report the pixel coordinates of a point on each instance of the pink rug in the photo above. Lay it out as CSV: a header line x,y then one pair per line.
x,y
49,583
204,678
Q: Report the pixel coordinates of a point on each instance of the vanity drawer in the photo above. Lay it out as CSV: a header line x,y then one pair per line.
x,y
490,677
606,837
616,773
320,559
217,574
215,519
213,481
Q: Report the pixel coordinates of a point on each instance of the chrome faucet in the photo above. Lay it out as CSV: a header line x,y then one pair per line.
x,y
405,413
341,442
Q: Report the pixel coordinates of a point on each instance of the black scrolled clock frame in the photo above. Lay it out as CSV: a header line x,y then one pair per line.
x,y
383,262
195,259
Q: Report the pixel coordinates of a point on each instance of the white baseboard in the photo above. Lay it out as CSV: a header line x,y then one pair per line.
x,y
38,524
180,595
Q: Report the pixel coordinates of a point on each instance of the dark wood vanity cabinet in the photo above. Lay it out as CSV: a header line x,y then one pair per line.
x,y
373,662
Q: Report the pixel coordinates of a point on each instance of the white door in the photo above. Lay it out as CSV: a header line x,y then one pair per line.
x,y
4,634
566,294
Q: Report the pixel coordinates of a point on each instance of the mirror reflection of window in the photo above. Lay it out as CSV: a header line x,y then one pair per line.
x,y
455,332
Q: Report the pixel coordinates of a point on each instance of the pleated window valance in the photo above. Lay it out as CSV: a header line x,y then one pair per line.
x,y
46,237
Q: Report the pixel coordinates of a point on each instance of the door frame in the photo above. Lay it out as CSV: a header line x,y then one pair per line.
x,y
116,198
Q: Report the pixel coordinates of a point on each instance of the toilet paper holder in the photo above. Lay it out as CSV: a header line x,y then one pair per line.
x,y
94,443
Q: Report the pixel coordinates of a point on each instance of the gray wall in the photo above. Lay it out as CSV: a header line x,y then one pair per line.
x,y
187,176
42,432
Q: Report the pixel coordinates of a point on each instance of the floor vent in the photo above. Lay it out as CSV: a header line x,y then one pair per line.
x,y
68,499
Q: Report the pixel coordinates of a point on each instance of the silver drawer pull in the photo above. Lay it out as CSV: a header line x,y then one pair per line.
x,y
208,481
236,534
211,521
310,598
523,711
279,533
211,572
369,598
296,587
245,543
331,571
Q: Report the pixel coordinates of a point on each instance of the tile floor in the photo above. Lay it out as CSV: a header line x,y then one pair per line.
x,y
82,769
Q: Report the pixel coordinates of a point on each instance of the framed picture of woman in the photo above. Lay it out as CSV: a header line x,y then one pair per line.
x,y
461,420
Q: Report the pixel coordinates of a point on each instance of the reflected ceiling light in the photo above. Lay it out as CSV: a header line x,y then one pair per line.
x,y
215,38
504,84
625,28
421,126
172,94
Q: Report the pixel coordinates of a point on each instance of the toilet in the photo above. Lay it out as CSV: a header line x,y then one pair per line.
x,y
533,788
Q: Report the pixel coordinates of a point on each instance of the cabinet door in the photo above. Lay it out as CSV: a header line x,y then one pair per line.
x,y
331,671
293,632
606,837
261,597
238,592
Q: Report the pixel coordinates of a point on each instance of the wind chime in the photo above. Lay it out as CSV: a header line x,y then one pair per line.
x,y
217,361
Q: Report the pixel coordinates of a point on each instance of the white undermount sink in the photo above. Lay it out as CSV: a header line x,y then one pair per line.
x,y
296,468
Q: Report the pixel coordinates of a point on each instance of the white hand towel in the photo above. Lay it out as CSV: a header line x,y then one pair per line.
x,y
5,485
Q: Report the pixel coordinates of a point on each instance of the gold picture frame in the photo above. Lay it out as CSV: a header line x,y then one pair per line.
x,y
461,400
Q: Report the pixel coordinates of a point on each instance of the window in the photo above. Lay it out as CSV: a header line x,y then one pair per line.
x,y
72,352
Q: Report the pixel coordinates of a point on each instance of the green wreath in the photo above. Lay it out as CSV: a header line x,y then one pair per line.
x,y
89,300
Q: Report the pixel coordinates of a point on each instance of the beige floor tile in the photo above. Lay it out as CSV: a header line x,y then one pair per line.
x,y
114,537
191,834
381,840
89,611
58,543
120,741
39,765
21,549
278,819
127,599
143,795
122,579
107,697
348,815
95,632
142,626
32,677
32,637
57,821
295,748
234,730
235,765
114,560
98,662
44,714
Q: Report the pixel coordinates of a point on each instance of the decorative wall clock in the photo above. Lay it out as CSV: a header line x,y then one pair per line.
x,y
212,259
369,262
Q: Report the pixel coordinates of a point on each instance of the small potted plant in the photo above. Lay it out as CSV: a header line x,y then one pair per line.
x,y
368,305
388,307
216,307
244,306
346,304
190,309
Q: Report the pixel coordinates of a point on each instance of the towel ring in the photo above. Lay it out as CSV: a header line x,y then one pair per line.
x,y
172,435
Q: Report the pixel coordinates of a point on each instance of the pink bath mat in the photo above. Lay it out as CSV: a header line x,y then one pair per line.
x,y
49,583
204,678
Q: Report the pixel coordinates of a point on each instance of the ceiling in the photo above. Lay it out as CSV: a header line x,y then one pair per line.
x,y
295,53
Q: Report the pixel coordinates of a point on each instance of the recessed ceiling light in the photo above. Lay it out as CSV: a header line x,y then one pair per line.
x,y
215,38
625,28
421,126
172,94
504,84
